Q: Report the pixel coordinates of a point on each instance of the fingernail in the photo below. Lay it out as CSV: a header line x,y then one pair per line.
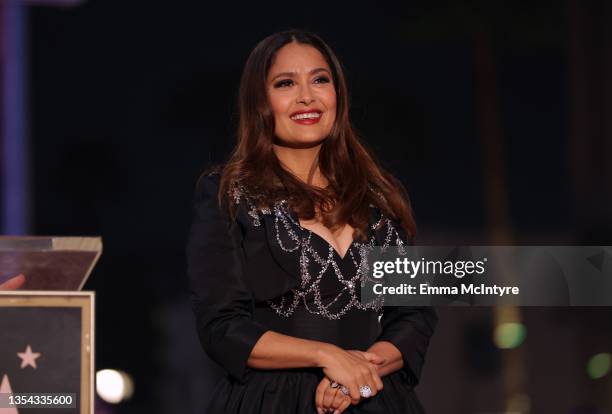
x,y
319,411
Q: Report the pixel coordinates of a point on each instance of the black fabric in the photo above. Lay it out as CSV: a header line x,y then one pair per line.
x,y
235,268
409,329
222,302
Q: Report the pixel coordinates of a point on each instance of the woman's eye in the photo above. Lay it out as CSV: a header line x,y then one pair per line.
x,y
322,79
283,83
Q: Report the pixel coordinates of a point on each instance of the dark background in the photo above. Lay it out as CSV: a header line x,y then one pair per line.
x,y
496,115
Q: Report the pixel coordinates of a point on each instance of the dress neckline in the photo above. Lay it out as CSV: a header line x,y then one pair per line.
x,y
329,245
304,230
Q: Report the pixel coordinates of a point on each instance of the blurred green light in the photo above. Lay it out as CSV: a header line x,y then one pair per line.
x,y
599,365
509,335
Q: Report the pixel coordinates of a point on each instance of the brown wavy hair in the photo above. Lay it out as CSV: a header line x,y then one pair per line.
x,y
355,178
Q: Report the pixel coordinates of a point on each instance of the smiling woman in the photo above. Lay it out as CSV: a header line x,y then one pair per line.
x,y
277,250
302,96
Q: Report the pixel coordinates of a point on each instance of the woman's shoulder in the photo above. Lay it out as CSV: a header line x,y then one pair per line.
x,y
231,198
208,183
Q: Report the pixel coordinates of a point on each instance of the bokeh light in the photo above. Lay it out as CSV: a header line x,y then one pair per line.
x,y
598,365
509,335
114,386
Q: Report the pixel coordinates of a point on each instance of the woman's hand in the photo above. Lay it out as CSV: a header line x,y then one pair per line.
x,y
393,357
13,283
353,369
328,399
369,356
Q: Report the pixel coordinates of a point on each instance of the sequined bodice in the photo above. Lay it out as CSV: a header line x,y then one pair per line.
x,y
329,284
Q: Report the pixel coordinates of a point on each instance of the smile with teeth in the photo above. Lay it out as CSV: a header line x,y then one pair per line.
x,y
306,115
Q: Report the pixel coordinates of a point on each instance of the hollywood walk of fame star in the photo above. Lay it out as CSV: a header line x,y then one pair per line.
x,y
28,357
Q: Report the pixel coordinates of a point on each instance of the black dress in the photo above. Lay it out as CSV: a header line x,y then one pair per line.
x,y
263,271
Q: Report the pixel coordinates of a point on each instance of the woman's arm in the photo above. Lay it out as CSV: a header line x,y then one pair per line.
x,y
277,351
221,301
391,355
408,330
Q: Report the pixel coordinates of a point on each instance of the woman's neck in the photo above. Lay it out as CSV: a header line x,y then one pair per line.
x,y
302,162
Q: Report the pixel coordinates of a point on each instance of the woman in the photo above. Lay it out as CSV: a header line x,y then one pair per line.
x,y
276,250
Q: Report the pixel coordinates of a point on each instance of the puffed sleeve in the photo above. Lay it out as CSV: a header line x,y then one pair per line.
x,y
409,329
221,301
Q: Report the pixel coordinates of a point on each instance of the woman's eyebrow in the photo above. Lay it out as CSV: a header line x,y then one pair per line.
x,y
292,74
317,70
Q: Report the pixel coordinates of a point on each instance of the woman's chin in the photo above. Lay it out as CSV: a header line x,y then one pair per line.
x,y
301,142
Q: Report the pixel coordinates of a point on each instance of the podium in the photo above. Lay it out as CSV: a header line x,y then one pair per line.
x,y
47,325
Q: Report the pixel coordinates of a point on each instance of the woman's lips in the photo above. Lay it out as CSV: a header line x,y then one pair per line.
x,y
306,118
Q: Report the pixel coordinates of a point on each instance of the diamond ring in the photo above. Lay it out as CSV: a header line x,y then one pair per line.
x,y
365,391
334,384
344,390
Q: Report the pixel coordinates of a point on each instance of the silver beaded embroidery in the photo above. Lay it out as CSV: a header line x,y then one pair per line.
x,y
309,288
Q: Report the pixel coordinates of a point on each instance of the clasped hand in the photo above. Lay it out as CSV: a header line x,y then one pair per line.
x,y
352,369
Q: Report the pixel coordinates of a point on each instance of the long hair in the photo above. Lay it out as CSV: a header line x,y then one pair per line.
x,y
356,180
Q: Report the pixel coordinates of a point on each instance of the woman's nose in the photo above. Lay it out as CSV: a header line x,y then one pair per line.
x,y
305,95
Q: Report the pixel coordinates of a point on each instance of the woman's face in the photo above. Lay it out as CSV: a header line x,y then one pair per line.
x,y
301,95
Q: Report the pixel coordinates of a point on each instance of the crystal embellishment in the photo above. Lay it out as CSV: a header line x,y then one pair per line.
x,y
313,267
